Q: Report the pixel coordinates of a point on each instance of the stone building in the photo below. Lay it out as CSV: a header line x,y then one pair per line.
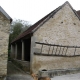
x,y
52,43
5,21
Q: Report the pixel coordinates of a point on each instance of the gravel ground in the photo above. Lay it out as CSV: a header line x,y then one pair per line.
x,y
67,77
15,73
19,77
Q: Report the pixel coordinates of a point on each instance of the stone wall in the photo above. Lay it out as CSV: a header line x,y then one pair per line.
x,y
4,37
53,63
62,29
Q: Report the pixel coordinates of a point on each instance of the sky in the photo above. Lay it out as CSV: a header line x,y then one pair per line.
x,y
33,10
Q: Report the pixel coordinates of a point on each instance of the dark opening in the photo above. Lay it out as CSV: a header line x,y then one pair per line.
x,y
27,45
44,70
61,22
13,53
19,50
74,23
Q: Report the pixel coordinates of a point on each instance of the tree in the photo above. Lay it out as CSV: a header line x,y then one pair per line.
x,y
17,27
15,31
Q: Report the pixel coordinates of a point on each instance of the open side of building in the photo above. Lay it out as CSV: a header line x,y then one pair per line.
x,y
51,43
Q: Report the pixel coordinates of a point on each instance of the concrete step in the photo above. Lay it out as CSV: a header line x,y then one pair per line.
x,y
58,72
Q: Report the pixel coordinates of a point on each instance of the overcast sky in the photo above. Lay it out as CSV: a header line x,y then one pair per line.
x,y
33,10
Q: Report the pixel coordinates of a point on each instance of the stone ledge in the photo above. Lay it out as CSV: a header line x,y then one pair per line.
x,y
58,72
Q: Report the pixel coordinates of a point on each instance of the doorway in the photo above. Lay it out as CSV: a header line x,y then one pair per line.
x,y
27,48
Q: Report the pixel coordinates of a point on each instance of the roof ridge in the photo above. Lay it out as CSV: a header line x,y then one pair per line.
x,y
35,26
5,14
72,9
41,22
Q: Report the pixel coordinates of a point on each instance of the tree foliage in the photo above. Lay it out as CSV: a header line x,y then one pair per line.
x,y
17,27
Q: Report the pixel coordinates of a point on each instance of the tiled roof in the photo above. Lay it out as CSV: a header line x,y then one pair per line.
x,y
30,29
5,14
44,19
78,12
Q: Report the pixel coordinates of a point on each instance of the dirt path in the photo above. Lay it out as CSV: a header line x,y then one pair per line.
x,y
15,73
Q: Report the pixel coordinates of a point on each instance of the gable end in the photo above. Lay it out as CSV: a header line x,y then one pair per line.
x,y
53,13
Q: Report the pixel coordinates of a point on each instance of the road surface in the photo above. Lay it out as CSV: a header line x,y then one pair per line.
x,y
15,73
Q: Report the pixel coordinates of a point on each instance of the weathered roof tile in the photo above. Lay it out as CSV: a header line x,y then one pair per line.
x,y
44,19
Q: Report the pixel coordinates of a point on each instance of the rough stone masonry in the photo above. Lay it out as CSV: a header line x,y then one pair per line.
x,y
4,37
62,29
